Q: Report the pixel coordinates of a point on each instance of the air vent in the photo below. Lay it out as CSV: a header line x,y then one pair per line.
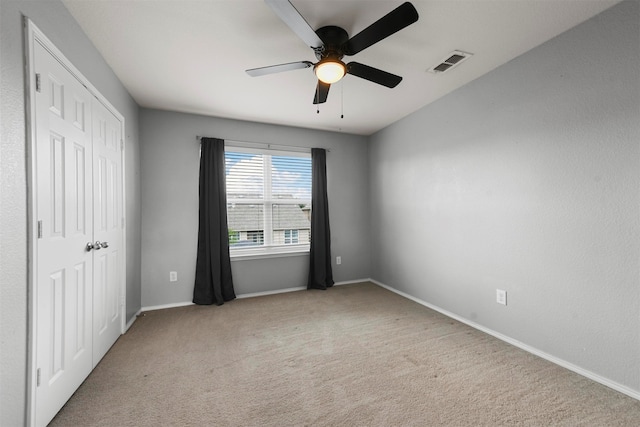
x,y
454,58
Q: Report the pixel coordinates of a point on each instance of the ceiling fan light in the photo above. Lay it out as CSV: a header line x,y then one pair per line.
x,y
330,71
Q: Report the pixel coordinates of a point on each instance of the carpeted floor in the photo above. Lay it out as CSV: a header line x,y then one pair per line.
x,y
354,355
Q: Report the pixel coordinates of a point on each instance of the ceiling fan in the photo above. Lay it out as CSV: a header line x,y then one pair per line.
x,y
331,43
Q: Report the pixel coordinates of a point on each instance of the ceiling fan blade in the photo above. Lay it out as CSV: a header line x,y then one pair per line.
x,y
290,15
256,72
373,74
399,18
322,90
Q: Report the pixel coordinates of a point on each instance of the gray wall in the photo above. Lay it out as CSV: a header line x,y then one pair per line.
x,y
526,180
54,20
170,161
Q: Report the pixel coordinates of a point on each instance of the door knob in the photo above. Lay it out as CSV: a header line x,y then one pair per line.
x,y
97,245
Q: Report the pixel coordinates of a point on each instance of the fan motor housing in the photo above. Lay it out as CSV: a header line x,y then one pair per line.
x,y
334,38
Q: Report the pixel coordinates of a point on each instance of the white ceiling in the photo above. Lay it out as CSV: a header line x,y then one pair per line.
x,y
190,56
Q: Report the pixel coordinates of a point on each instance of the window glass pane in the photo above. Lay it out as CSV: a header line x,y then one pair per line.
x,y
246,224
291,177
244,175
290,237
291,224
256,237
268,199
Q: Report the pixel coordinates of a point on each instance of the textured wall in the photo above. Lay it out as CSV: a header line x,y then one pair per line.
x,y
54,20
170,162
526,180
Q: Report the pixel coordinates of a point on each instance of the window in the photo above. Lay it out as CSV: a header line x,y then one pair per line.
x,y
268,201
256,237
234,237
290,237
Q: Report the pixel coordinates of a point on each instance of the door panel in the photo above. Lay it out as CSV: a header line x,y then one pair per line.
x,y
79,311
57,304
108,224
63,207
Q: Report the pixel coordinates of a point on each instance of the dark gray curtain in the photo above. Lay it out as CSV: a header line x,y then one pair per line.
x,y
320,274
214,284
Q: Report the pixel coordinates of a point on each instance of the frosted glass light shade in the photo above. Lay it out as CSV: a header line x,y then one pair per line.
x,y
330,71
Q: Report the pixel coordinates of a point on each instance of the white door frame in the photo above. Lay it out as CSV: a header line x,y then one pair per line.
x,y
34,35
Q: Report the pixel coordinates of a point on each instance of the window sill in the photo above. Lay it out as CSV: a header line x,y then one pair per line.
x,y
262,253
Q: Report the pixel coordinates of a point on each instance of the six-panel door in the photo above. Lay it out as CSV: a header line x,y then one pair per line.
x,y
78,203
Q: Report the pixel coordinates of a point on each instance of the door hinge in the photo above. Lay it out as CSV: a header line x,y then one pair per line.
x,y
39,229
38,378
38,85
121,145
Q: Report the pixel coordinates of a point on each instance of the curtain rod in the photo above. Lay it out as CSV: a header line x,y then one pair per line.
x,y
265,144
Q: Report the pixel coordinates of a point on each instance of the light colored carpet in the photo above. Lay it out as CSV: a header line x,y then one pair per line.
x,y
354,355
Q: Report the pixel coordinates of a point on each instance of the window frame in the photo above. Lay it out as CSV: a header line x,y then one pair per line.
x,y
268,249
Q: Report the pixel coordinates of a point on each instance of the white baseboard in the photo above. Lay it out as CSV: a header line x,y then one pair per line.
x,y
249,295
297,288
560,362
163,306
264,293
350,282
130,322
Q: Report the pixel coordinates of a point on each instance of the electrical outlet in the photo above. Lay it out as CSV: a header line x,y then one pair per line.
x,y
501,296
338,260
173,276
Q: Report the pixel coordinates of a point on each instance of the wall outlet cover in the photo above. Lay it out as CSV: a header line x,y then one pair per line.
x,y
501,296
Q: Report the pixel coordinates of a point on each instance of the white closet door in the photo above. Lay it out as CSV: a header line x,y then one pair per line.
x,y
107,222
64,210
79,248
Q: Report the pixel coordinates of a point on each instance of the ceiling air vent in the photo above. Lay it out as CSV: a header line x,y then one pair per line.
x,y
453,59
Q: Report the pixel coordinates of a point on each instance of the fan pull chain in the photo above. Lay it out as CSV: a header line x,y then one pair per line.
x,y
342,99
318,98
